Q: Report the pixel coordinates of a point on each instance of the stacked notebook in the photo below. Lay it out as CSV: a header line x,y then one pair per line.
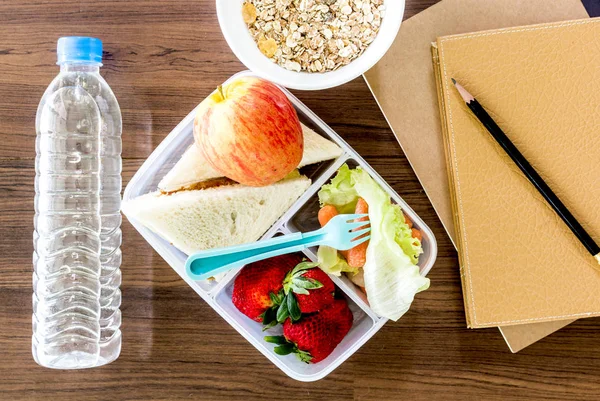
x,y
519,261
406,73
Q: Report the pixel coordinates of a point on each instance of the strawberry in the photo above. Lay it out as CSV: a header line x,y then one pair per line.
x,y
258,289
315,336
312,288
344,320
307,289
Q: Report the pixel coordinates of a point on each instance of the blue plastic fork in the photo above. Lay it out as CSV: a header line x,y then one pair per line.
x,y
338,234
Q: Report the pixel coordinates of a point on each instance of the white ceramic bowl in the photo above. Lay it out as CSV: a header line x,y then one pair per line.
x,y
243,46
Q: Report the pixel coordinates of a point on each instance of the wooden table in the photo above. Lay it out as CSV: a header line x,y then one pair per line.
x,y
163,58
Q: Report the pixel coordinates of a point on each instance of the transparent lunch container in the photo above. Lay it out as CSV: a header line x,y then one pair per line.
x,y
302,216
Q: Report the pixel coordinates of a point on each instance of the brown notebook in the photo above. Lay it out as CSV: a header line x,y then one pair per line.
x,y
519,261
406,72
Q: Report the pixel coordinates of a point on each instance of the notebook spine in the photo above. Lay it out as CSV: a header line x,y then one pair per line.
x,y
451,179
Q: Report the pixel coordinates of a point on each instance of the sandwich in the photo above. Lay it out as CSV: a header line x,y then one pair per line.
x,y
195,208
193,220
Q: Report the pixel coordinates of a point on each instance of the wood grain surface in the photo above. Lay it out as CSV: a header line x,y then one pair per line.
x,y
162,58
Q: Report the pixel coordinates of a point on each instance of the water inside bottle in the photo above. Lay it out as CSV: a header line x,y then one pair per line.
x,y
77,237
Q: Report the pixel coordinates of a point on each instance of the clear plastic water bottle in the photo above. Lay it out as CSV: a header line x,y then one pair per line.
x,y
77,237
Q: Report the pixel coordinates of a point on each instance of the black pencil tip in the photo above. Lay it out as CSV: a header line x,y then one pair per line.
x,y
453,81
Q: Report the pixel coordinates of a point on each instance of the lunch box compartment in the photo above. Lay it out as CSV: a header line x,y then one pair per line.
x,y
302,216
363,323
306,219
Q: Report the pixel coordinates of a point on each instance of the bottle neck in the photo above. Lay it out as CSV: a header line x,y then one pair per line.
x,y
80,67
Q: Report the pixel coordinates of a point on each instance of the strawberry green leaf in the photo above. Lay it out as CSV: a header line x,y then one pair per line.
x,y
282,312
293,308
284,349
308,283
270,325
276,340
304,356
306,265
298,290
296,274
269,317
276,298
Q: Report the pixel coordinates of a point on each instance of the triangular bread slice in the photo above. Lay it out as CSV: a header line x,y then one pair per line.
x,y
215,217
192,169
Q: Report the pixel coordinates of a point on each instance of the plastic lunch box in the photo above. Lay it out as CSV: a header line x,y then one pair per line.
x,y
302,216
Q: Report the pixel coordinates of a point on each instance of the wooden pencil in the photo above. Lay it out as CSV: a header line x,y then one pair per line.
x,y
529,171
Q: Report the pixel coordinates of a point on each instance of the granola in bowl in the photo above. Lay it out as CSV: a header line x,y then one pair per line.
x,y
313,35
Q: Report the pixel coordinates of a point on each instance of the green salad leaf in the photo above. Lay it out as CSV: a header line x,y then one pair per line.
x,y
340,192
411,246
391,275
331,262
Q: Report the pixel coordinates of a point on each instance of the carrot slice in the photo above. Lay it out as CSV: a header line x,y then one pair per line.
x,y
362,208
357,256
416,234
408,220
327,213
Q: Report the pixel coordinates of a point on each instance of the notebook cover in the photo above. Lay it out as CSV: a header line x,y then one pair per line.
x,y
402,82
519,261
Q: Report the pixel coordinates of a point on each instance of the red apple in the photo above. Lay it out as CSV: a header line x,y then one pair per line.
x,y
249,131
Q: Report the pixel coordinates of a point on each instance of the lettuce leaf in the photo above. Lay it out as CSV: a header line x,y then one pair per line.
x,y
340,192
391,275
411,246
331,262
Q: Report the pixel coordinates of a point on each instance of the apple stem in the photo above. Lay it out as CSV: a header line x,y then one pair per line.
x,y
220,89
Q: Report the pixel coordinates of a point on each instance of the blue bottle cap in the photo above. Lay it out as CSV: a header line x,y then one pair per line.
x,y
79,49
